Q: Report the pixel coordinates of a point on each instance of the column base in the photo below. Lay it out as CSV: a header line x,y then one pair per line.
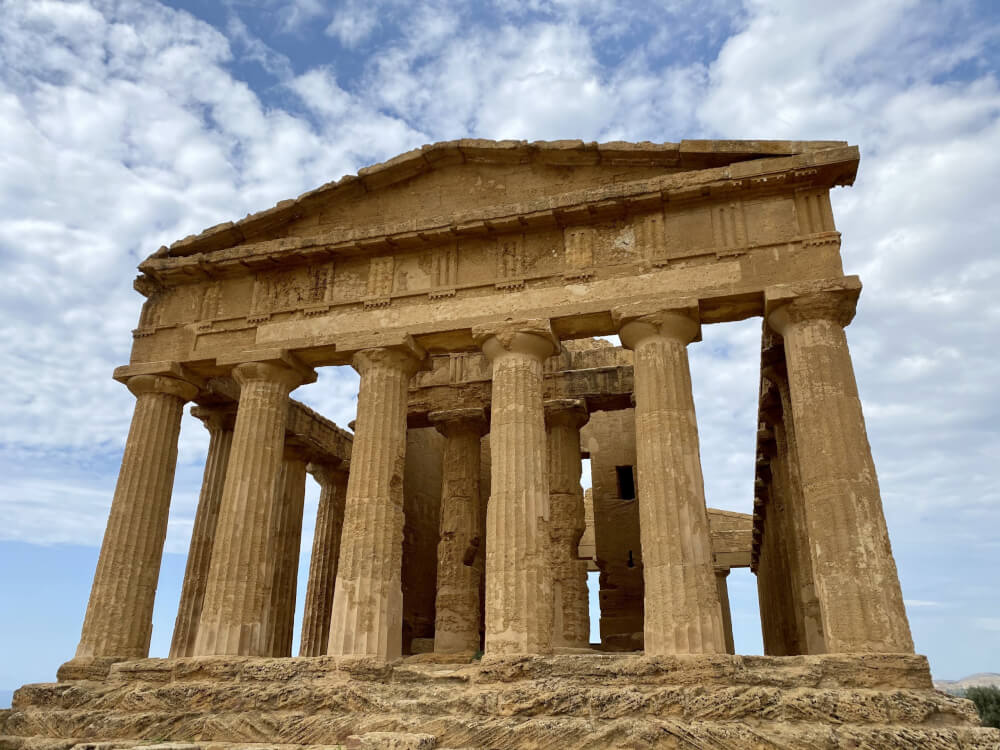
x,y
88,667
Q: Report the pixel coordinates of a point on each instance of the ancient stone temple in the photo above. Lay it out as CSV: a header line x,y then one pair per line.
x,y
446,606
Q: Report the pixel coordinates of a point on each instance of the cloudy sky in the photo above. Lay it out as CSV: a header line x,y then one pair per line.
x,y
127,125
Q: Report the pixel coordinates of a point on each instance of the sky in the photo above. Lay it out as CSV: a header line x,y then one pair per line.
x,y
128,124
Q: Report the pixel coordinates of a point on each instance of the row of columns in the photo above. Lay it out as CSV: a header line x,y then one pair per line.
x,y
533,519
827,529
286,529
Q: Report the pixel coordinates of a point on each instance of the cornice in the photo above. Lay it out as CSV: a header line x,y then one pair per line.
x,y
686,155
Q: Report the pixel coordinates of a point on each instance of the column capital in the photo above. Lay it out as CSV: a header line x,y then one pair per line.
x,y
182,389
678,320
407,357
722,571
454,421
327,471
166,369
566,411
829,299
295,452
271,365
533,337
216,417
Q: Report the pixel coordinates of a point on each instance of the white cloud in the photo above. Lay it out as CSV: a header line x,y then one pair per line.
x,y
353,23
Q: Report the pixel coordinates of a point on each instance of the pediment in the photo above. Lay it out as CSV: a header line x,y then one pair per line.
x,y
431,185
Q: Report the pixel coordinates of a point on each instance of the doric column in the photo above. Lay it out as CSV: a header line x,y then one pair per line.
x,y
119,617
775,569
571,601
854,572
460,544
332,478
682,613
768,591
219,421
234,615
518,572
286,541
776,410
721,574
367,615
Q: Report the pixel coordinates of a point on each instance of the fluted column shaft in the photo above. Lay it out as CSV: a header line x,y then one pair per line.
x,y
855,575
727,617
367,617
774,572
219,421
286,542
783,424
518,572
460,545
325,556
682,611
571,600
119,617
234,615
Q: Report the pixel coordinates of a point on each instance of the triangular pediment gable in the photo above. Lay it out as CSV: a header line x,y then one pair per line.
x,y
430,185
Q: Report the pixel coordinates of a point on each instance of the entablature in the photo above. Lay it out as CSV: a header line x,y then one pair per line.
x,y
719,235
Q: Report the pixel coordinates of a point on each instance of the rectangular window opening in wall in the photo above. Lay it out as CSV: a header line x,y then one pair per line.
x,y
626,482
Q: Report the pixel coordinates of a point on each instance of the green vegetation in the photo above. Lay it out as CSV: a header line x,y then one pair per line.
x,y
987,700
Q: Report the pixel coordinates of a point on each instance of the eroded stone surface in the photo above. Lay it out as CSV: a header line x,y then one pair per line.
x,y
580,701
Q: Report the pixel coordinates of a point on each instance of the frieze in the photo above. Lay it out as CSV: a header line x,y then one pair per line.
x,y
683,236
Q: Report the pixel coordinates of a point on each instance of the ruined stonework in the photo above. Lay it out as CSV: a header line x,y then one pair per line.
x,y
470,284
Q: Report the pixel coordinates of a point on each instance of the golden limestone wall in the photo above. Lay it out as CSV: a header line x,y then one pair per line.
x,y
609,437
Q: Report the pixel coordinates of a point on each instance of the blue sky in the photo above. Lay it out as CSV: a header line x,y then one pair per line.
x,y
127,124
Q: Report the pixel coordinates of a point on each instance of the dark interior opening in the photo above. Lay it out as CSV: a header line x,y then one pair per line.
x,y
626,482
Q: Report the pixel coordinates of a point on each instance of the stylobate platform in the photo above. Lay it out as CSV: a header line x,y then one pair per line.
x,y
563,701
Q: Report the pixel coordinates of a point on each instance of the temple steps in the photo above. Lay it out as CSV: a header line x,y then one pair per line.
x,y
584,701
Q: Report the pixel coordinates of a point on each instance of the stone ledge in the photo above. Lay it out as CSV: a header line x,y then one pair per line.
x,y
862,671
569,700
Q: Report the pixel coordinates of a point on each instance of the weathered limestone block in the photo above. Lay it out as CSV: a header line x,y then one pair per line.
x,y
368,598
592,701
783,427
332,479
567,522
855,575
219,421
460,545
286,540
682,612
233,620
518,572
119,617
